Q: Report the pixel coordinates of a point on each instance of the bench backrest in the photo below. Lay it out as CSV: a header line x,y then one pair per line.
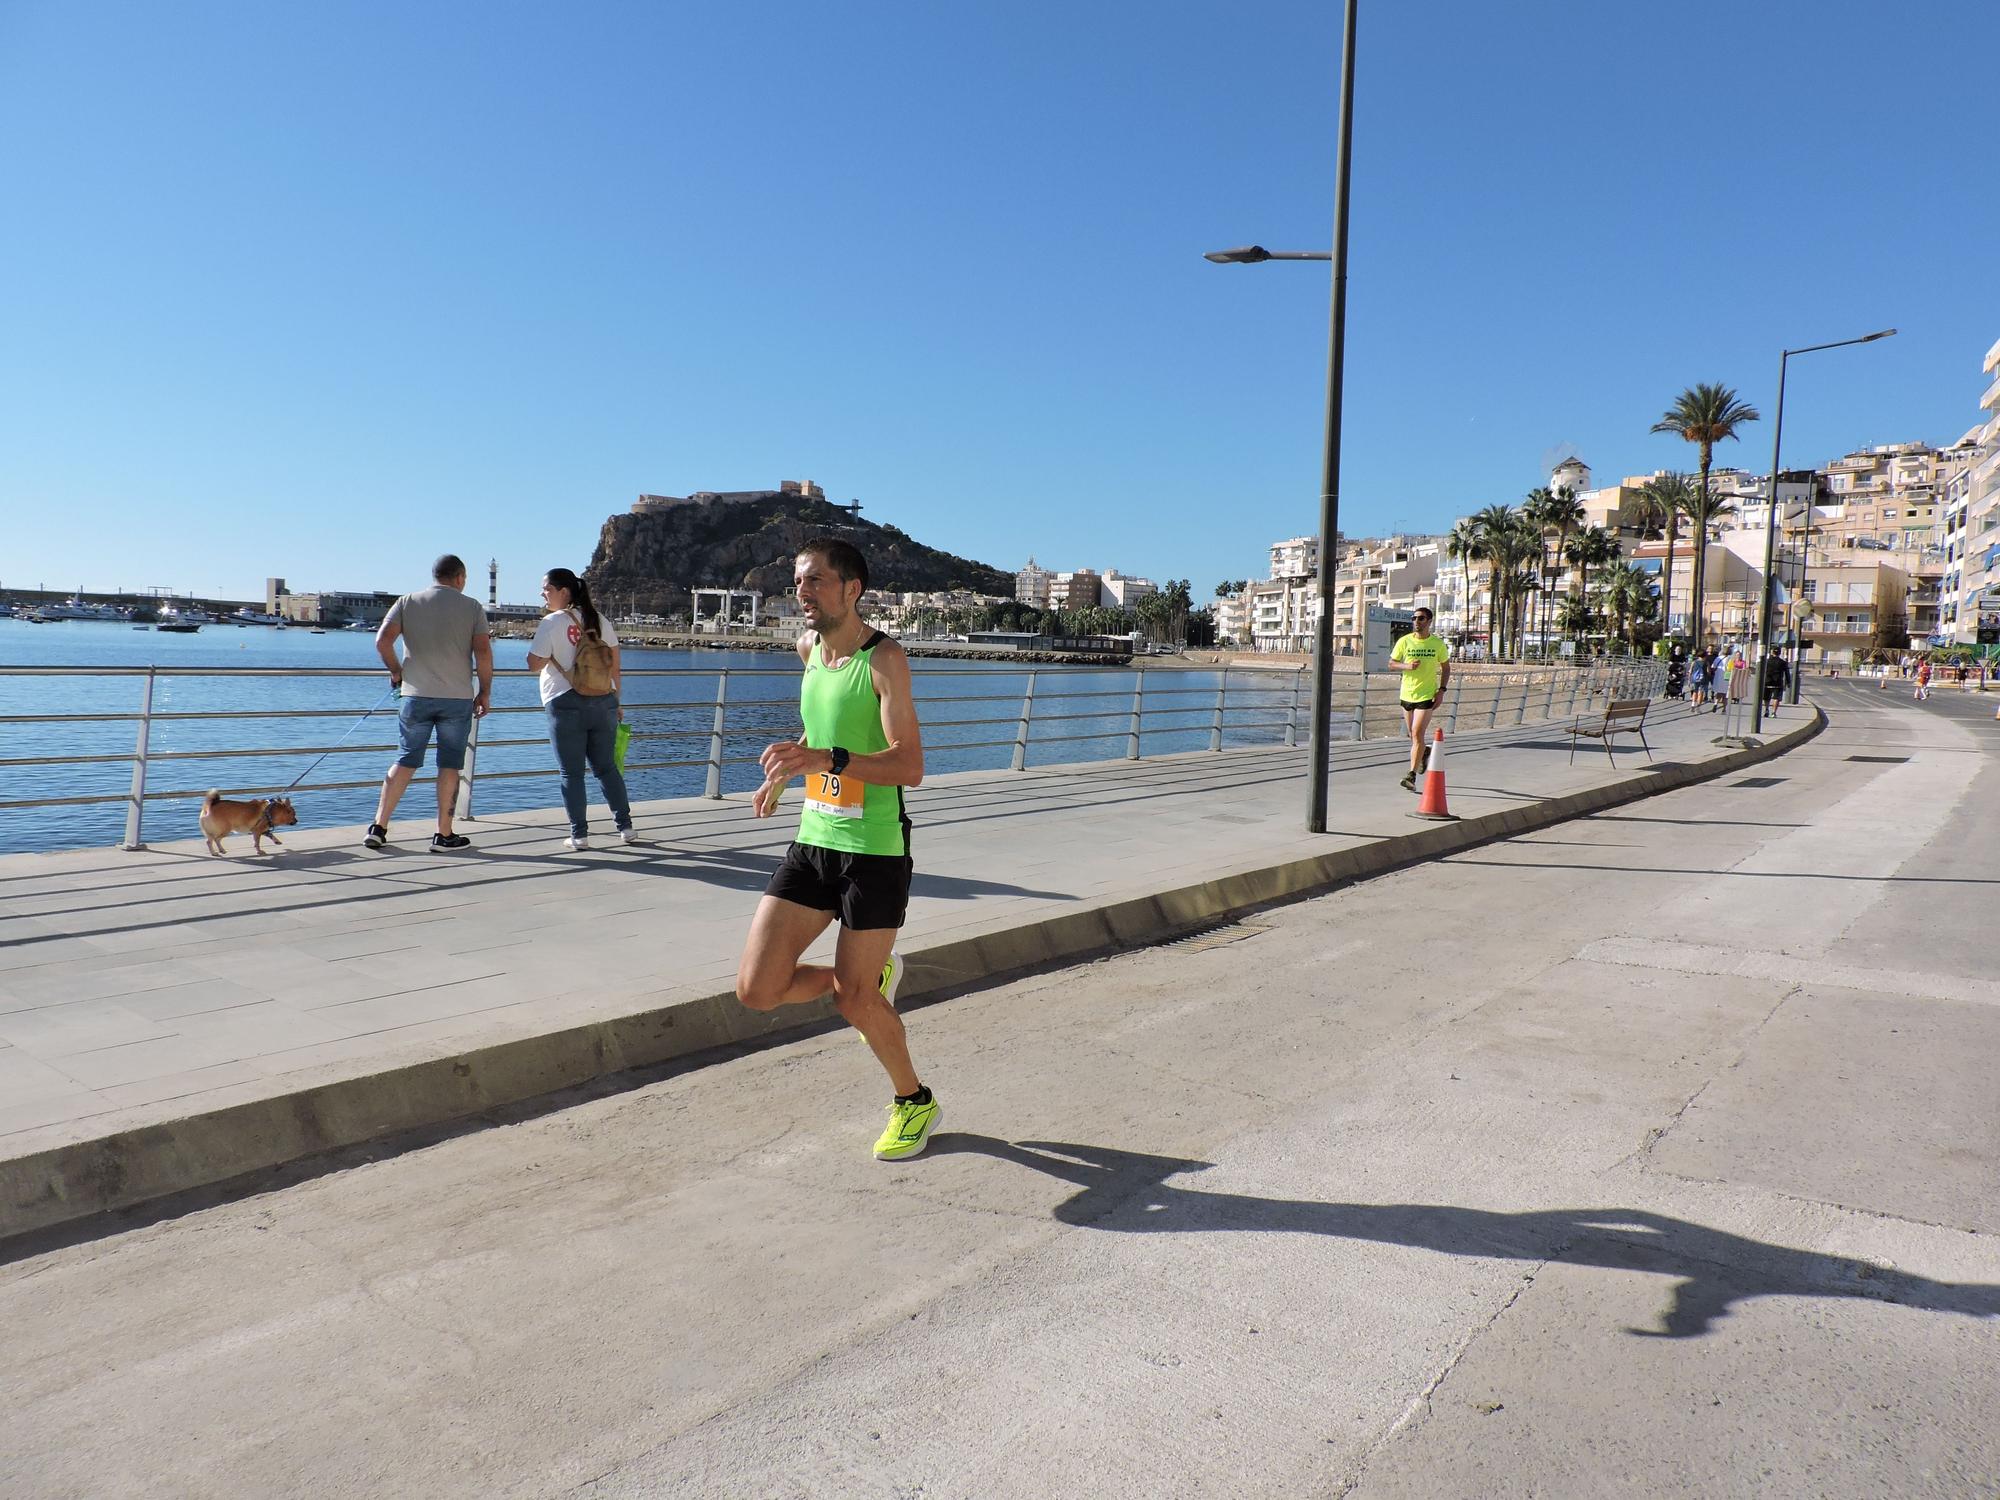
x,y
1627,708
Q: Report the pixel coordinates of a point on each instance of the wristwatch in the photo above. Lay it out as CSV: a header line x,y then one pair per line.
x,y
837,759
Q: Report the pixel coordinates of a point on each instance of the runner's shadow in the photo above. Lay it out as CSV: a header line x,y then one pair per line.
x,y
1127,1192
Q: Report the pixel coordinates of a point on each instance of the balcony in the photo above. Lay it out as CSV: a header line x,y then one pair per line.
x,y
1991,400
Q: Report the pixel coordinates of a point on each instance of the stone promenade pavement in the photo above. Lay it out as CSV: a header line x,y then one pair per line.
x,y
169,1019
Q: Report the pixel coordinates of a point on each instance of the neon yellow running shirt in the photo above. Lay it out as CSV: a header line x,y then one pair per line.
x,y
1420,683
839,706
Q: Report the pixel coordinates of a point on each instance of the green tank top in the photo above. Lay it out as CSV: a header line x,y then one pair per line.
x,y
840,706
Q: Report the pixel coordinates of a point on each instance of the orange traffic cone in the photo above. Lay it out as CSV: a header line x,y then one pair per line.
x,y
1433,804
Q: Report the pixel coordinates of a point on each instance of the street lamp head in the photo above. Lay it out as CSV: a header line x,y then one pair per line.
x,y
1884,334
1243,255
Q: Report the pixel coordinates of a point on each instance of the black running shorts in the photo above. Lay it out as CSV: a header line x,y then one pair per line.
x,y
867,890
1410,708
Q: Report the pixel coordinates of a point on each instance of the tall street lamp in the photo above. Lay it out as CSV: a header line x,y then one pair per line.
x,y
1329,483
1771,519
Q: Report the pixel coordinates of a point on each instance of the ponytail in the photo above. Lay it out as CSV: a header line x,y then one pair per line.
x,y
579,598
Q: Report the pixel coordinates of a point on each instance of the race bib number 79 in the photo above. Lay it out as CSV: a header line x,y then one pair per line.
x,y
835,796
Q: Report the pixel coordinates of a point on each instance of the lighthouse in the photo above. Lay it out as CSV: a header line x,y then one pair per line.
x,y
492,583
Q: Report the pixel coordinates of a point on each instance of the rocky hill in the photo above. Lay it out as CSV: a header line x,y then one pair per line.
x,y
647,561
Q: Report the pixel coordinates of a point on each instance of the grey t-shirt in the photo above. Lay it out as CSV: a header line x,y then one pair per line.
x,y
439,627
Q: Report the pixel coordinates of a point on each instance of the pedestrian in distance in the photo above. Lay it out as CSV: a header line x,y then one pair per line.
x,y
576,651
445,643
851,856
1923,680
1698,679
1424,660
1774,676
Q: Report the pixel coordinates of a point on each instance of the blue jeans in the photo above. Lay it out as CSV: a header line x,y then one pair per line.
x,y
586,730
450,717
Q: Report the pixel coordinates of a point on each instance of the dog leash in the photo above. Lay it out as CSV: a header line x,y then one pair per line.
x,y
343,739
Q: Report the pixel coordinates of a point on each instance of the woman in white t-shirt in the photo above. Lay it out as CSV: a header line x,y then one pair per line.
x,y
582,727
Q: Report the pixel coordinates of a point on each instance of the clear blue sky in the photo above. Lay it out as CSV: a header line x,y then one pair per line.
x,y
320,290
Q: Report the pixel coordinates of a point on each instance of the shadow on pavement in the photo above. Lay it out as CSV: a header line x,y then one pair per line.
x,y
1127,1192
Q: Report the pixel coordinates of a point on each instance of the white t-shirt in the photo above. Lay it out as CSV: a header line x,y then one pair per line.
x,y
557,638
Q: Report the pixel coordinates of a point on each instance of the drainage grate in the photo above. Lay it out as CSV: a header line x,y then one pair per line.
x,y
1881,760
1215,937
1760,781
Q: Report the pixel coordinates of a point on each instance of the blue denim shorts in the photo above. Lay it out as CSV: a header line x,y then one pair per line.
x,y
450,717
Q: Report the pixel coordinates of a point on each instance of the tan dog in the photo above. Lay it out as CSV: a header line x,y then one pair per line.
x,y
259,818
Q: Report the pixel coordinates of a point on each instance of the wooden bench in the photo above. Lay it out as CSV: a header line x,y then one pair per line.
x,y
1623,716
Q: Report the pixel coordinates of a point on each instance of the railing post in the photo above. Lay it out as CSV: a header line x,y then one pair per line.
x,y
1221,700
714,787
1138,707
1361,705
1549,707
464,808
1575,687
135,812
1292,713
1498,683
1021,731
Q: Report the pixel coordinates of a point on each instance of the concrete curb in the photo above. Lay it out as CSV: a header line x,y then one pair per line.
x,y
84,1178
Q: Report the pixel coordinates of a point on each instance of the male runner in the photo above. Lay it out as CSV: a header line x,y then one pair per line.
x,y
851,858
1425,662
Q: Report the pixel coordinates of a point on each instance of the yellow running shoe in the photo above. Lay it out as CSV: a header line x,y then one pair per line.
x,y
909,1129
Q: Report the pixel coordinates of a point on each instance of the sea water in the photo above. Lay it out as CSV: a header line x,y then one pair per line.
x,y
672,715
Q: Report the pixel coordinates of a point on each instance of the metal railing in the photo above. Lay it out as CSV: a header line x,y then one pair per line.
x,y
1270,707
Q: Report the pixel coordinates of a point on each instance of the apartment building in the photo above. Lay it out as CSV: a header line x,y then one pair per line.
x,y
1232,619
1079,589
1847,594
1032,584
1890,496
1282,614
1122,590
1970,584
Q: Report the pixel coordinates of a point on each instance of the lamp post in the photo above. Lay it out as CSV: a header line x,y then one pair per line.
x,y
1329,485
1771,518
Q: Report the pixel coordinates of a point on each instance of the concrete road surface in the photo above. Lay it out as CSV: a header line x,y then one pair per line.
x,y
1651,1154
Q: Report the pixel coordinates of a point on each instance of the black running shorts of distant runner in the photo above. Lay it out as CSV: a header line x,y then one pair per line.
x,y
1410,708
867,890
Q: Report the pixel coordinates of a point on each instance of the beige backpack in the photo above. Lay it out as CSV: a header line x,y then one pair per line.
x,y
590,674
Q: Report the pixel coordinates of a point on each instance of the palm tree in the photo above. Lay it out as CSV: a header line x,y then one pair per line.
x,y
1573,615
1628,598
1663,500
1592,547
1490,525
1705,415
1514,545
1463,547
1561,513
1538,512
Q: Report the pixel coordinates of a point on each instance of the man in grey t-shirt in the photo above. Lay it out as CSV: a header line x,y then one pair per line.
x,y
443,631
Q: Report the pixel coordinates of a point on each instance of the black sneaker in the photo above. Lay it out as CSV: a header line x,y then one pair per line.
x,y
377,836
1409,782
450,841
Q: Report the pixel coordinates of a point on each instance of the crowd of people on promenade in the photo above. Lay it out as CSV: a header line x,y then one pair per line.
x,y
861,746
1715,676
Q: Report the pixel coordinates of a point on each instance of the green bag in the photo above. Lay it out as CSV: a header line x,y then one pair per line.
x,y
624,739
